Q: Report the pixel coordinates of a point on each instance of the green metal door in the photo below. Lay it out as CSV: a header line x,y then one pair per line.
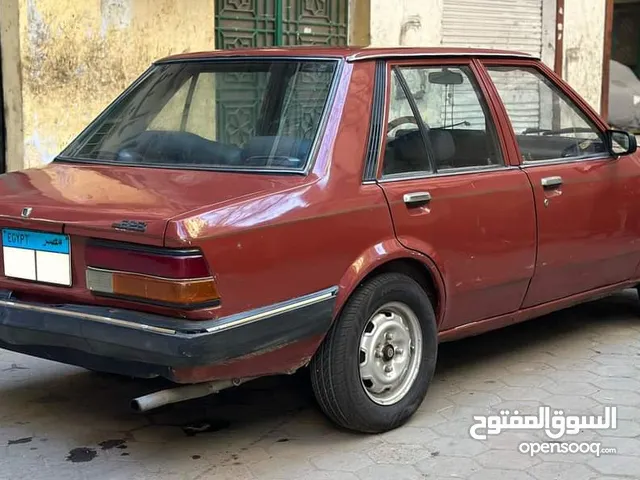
x,y
271,23
268,23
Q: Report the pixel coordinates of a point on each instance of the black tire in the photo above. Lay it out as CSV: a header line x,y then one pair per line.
x,y
335,371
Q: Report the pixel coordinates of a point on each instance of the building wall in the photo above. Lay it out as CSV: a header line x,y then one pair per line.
x,y
406,22
75,57
584,46
419,22
65,60
11,83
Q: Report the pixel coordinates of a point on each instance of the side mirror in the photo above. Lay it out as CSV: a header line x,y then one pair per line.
x,y
621,143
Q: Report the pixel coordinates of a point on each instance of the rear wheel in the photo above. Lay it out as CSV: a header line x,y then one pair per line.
x,y
374,368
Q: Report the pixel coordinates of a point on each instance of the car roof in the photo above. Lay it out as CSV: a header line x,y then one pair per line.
x,y
351,54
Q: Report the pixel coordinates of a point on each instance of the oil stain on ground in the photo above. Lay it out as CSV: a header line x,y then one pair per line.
x,y
114,443
81,455
19,441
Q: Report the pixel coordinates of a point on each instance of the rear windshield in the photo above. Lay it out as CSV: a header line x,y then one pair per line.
x,y
242,115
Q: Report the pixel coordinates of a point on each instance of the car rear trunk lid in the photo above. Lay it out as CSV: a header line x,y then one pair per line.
x,y
117,203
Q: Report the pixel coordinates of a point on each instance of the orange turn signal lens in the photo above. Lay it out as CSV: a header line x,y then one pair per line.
x,y
163,290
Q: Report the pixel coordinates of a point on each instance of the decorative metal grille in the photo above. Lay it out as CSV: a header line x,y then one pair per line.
x,y
315,22
245,23
268,23
305,106
238,105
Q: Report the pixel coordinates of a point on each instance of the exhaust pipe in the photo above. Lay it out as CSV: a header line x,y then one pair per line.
x,y
180,394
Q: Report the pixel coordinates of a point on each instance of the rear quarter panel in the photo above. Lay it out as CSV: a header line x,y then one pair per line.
x,y
315,235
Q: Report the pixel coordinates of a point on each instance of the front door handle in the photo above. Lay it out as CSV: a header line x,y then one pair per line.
x,y
414,198
551,182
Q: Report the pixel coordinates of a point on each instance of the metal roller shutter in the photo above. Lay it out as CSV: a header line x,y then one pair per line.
x,y
499,24
506,24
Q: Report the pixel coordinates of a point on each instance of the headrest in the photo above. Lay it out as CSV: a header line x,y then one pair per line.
x,y
442,144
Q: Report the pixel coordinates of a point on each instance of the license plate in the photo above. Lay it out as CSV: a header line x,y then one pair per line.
x,y
37,256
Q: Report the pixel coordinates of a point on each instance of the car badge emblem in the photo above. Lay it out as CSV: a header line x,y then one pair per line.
x,y
26,212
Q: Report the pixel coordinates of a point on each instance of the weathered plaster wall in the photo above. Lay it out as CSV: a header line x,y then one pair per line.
x,y
359,22
584,46
548,32
76,56
11,82
406,22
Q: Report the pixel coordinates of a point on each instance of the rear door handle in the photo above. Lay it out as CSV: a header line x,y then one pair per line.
x,y
415,198
551,182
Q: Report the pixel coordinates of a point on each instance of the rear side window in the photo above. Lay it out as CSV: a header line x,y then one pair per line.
x,y
240,115
438,113
547,124
405,149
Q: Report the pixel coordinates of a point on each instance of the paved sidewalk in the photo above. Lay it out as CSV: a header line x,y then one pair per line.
x,y
62,422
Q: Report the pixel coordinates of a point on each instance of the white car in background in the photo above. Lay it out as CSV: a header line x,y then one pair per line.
x,y
624,98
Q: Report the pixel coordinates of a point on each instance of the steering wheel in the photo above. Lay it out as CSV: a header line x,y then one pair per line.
x,y
400,121
578,149
408,119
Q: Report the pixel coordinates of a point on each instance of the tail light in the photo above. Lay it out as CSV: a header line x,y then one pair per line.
x,y
177,278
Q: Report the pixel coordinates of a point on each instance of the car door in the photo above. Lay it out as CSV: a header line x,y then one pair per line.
x,y
452,192
586,200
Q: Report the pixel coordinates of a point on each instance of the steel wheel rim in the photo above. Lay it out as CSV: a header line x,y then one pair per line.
x,y
390,353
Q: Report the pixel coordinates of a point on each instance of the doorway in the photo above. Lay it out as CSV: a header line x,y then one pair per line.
x,y
620,104
625,45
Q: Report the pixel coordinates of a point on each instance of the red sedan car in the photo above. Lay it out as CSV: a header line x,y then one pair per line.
x,y
246,213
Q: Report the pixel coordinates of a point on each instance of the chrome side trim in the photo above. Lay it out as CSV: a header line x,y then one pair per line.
x,y
310,300
155,277
87,316
560,161
222,324
445,173
391,56
236,56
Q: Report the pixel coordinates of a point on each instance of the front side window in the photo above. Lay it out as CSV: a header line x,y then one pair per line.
x,y
457,129
243,115
547,124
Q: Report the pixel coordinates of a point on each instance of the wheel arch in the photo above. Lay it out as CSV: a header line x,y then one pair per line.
x,y
391,256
